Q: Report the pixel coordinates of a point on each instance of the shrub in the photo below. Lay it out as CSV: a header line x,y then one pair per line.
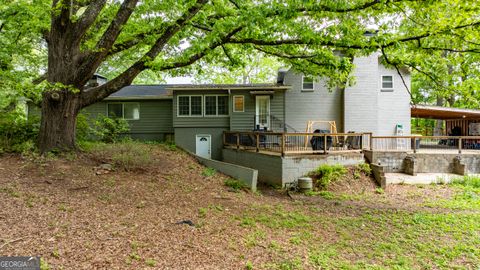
x,y
326,174
84,129
364,168
127,155
111,130
18,134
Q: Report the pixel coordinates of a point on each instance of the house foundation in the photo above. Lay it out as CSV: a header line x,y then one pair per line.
x,y
277,170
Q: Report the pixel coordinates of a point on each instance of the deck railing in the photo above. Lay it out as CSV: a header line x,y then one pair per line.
x,y
297,143
425,143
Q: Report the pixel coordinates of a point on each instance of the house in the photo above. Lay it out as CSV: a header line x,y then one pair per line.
x,y
196,116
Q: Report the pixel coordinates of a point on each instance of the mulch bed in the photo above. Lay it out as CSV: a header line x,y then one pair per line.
x,y
62,210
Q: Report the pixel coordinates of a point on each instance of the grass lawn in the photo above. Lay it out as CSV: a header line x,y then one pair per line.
x,y
76,214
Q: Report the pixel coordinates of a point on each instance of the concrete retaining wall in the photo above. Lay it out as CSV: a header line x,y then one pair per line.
x,y
247,175
413,163
269,167
296,166
279,170
391,161
379,175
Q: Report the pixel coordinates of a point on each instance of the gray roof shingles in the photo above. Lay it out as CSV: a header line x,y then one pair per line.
x,y
159,90
165,90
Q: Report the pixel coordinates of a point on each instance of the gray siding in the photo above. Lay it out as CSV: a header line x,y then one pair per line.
x,y
185,138
361,99
367,108
394,107
319,104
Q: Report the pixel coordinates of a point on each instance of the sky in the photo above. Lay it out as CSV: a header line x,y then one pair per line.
x,y
179,80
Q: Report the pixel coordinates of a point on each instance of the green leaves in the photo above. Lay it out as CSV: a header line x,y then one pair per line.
x,y
436,40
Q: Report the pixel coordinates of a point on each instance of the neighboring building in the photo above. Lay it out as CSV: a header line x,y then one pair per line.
x,y
197,115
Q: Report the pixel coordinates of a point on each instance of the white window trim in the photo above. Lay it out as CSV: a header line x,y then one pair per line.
x,y
123,110
308,89
381,83
216,106
243,103
190,106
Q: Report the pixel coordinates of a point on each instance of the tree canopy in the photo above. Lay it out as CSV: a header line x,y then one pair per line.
x,y
62,43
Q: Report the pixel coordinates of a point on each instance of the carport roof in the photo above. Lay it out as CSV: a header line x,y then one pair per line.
x,y
443,113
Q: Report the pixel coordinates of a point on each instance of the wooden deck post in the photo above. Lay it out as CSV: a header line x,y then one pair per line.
x,y
414,145
371,141
460,145
257,139
283,144
325,144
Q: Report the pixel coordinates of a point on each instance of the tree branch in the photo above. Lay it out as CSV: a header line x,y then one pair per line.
x,y
125,78
63,17
399,73
286,56
192,59
88,17
108,38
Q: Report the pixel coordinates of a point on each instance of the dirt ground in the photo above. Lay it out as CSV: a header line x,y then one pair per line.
x,y
77,216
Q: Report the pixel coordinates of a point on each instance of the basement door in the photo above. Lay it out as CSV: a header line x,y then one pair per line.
x,y
203,146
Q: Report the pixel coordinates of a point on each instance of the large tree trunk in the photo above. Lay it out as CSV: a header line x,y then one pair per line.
x,y
59,114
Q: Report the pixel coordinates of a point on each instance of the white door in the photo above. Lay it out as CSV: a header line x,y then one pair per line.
x,y
262,112
203,146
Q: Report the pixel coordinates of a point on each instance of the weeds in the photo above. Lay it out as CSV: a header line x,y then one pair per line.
x,y
234,184
126,155
202,212
326,174
467,181
150,262
363,168
323,193
207,172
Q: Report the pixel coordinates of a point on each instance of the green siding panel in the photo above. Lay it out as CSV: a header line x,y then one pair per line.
x,y
245,121
155,116
199,121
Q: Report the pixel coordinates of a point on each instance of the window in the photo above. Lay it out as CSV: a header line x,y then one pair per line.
x,y
222,105
196,105
207,105
126,110
238,104
216,105
183,105
387,82
189,106
307,83
210,105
